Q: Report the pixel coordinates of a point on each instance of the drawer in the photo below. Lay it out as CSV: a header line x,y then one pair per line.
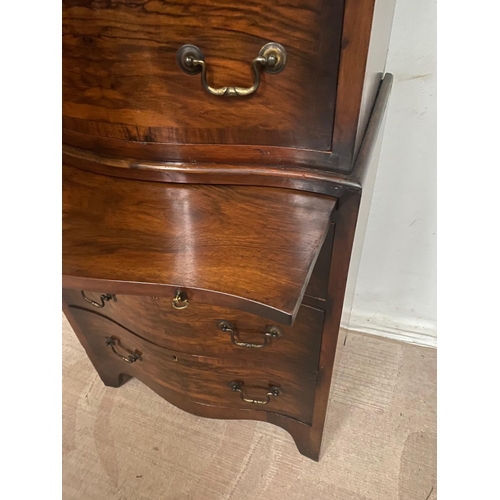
x,y
204,380
243,247
205,329
122,81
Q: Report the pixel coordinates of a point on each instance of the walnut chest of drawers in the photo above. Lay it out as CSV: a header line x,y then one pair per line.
x,y
218,164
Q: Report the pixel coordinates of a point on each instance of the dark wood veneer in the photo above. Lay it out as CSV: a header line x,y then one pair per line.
x,y
254,247
194,330
121,79
124,96
201,379
247,207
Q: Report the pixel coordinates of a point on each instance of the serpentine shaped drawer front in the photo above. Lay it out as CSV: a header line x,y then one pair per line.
x,y
242,247
205,380
209,330
125,79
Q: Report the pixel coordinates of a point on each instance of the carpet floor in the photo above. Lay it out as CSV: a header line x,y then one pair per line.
x,y
379,441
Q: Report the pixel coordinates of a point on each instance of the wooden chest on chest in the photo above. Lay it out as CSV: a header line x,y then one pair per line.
x,y
217,159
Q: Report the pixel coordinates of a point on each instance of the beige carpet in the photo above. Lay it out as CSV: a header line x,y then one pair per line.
x,y
379,442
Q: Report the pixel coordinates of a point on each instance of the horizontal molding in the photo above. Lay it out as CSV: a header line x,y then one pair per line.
x,y
413,332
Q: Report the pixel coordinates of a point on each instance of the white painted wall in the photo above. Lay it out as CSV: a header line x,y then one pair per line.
x,y
396,287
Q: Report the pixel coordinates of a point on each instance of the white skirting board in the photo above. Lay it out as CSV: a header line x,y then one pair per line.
x,y
411,331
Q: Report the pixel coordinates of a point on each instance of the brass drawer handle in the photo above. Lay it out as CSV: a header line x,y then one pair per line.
x,y
105,297
272,332
273,390
131,358
272,57
180,300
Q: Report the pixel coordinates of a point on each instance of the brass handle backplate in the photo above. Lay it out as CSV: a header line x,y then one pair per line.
x,y
272,332
105,297
272,58
180,300
271,391
131,358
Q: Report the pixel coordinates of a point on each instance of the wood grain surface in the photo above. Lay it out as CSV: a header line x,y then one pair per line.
x,y
379,440
346,219
195,330
124,95
121,79
102,211
255,247
305,178
200,379
318,284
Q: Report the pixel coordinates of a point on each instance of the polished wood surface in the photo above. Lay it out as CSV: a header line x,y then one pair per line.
x,y
121,79
292,177
308,436
346,218
247,207
113,377
195,330
201,379
318,284
236,155
125,97
357,25
254,247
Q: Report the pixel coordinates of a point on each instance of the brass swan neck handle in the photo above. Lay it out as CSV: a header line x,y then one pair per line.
x,y
129,358
105,297
272,332
271,391
272,58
